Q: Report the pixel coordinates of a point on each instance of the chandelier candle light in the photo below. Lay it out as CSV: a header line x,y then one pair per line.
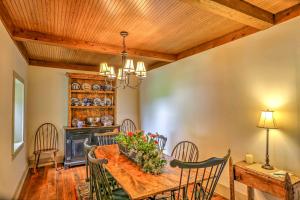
x,y
267,121
126,70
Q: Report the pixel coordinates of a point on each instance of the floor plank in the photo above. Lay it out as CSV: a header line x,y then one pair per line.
x,y
49,184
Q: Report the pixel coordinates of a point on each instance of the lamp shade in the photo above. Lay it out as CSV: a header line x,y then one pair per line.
x,y
129,67
140,70
267,120
121,75
104,69
111,73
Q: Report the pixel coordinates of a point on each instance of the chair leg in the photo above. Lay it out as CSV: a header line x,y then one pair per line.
x,y
91,189
37,162
86,172
34,164
54,159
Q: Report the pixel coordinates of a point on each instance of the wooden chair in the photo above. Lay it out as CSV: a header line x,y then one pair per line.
x,y
46,139
100,183
87,148
203,175
186,151
128,126
107,138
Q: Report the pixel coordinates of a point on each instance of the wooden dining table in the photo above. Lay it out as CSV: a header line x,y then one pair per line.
x,y
136,183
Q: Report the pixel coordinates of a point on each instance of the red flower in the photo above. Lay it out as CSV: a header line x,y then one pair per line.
x,y
130,134
153,135
156,142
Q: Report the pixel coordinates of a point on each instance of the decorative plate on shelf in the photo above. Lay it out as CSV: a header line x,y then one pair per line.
x,y
97,102
107,87
96,87
75,86
75,101
87,102
86,86
102,103
107,101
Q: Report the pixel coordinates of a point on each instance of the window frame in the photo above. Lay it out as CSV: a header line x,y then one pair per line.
x,y
14,151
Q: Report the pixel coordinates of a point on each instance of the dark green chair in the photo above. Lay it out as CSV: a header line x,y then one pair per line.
x,y
204,175
161,141
107,138
186,151
99,182
87,148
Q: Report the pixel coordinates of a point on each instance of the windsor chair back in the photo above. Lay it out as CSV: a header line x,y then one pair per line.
x,y
87,148
203,175
100,183
107,138
128,126
186,151
45,141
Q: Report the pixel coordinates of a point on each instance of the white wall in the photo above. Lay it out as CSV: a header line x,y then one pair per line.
x,y
214,98
48,102
11,170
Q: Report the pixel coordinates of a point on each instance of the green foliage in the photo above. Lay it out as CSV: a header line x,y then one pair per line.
x,y
144,150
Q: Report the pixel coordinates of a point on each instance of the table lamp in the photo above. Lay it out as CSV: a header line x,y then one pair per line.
x,y
267,121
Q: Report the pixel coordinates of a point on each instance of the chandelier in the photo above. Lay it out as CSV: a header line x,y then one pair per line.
x,y
126,72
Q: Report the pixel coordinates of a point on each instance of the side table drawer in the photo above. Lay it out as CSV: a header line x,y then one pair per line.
x,y
260,182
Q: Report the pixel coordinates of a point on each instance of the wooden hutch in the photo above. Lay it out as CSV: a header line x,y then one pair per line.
x,y
75,136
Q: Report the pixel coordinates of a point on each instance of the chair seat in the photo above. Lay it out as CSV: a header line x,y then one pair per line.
x,y
45,151
119,194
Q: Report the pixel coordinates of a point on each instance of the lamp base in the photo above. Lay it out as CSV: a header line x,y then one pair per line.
x,y
267,166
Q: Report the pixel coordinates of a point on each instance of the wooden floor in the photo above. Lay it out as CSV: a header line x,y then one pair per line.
x,y
49,184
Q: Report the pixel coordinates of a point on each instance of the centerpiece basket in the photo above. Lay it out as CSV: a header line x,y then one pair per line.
x,y
143,150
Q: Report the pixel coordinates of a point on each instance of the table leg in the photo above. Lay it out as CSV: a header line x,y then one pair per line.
x,y
231,179
250,193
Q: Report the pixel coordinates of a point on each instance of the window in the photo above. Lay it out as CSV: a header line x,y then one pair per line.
x,y
18,114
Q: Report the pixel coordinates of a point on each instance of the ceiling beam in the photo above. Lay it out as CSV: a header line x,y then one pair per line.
x,y
287,14
237,10
156,65
24,35
9,26
22,50
218,41
61,65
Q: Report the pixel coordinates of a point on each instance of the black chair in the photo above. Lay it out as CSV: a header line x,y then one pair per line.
x,y
198,180
87,148
128,126
99,182
45,141
161,141
107,138
186,151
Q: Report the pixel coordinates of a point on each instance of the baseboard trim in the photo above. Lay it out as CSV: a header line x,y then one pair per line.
x,y
21,183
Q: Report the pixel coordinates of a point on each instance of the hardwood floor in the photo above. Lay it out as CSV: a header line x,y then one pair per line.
x,y
49,184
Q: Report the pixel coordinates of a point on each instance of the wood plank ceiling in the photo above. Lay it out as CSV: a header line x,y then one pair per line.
x,y
80,34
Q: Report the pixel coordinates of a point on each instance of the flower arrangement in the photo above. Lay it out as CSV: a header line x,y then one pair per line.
x,y
143,150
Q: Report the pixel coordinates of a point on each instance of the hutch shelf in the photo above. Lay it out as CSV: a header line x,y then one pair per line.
x,y
74,136
80,112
